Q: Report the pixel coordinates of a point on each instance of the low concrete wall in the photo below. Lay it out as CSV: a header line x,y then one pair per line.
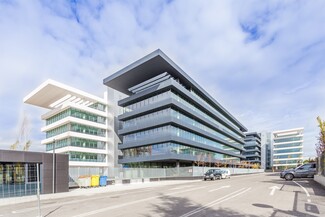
x,y
320,179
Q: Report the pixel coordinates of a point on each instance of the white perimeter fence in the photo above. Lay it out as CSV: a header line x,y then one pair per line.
x,y
118,174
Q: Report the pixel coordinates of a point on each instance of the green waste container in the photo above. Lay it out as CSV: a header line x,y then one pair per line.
x,y
94,181
103,180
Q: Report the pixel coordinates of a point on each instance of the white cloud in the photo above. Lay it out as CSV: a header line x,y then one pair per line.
x,y
249,55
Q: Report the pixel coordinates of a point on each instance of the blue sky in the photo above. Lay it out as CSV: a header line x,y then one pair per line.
x,y
262,60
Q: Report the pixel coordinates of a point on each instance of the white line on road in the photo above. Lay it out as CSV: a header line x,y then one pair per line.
x,y
273,190
226,186
72,202
94,212
307,193
215,202
182,187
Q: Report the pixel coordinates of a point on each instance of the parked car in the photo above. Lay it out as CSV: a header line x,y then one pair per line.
x,y
304,171
225,174
213,174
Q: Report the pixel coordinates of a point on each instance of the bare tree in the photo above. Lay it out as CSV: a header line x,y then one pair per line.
x,y
198,159
217,163
23,135
209,159
14,145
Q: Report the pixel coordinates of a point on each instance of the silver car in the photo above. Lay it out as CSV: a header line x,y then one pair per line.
x,y
303,171
213,174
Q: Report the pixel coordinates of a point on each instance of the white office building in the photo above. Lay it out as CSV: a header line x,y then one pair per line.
x,y
287,148
266,150
79,124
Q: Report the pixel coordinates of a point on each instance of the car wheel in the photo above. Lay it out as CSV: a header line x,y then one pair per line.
x,y
205,179
288,176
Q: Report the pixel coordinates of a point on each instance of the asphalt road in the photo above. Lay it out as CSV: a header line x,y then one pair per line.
x,y
249,195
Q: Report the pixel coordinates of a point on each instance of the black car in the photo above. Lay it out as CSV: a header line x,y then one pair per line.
x,y
213,174
304,171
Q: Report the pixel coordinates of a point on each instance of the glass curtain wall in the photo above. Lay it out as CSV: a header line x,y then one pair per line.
x,y
171,130
18,179
77,142
171,94
172,148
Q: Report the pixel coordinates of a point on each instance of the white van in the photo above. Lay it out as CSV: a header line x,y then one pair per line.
x,y
225,174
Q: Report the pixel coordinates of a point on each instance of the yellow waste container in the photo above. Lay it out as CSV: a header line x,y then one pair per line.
x,y
94,181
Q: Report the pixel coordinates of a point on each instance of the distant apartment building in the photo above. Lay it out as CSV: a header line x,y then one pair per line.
x,y
78,124
253,147
168,120
287,148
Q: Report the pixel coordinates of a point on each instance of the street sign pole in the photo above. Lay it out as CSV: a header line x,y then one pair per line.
x,y
38,191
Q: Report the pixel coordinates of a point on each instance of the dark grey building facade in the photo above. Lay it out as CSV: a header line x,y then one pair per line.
x,y
18,173
169,120
253,147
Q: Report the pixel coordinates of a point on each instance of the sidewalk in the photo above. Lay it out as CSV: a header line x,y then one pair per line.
x,y
91,191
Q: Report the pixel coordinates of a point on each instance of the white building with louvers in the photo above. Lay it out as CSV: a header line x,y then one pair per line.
x,y
78,124
288,148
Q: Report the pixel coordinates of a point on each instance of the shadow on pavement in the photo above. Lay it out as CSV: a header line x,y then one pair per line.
x,y
178,206
309,208
308,183
272,174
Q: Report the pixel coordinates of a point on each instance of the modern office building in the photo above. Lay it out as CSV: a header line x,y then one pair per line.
x,y
18,173
169,120
78,124
287,148
253,147
266,150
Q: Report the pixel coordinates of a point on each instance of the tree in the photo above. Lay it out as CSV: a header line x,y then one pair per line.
x,y
309,160
255,166
23,135
217,163
199,160
209,159
320,145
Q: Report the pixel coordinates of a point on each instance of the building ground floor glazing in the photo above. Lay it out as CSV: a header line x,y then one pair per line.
x,y
18,179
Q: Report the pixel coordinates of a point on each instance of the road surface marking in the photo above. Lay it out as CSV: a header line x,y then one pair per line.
x,y
94,212
73,201
227,186
273,190
308,195
215,202
182,187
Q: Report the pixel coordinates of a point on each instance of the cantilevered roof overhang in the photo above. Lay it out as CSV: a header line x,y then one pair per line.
x,y
152,65
51,94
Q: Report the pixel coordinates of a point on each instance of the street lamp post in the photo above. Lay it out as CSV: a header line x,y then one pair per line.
x,y
53,169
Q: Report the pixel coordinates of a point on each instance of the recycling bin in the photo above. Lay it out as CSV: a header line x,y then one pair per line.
x,y
103,180
84,181
94,181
